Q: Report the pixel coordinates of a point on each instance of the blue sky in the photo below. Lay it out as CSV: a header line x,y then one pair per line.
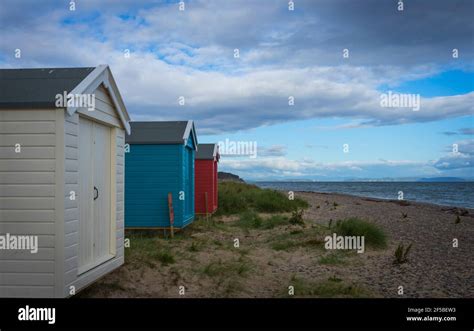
x,y
283,54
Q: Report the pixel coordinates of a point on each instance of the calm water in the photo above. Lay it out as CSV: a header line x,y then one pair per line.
x,y
449,194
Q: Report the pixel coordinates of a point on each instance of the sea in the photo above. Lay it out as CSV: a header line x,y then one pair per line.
x,y
456,194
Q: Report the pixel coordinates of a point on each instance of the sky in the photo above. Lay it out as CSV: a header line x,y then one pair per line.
x,y
305,86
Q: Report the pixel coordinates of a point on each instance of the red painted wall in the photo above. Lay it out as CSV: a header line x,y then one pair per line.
x,y
205,179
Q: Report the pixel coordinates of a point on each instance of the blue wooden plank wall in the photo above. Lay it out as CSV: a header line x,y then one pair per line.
x,y
151,171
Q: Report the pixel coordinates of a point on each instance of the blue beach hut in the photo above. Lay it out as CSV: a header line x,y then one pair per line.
x,y
159,160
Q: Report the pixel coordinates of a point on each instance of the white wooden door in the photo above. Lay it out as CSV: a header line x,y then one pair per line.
x,y
86,194
94,194
102,192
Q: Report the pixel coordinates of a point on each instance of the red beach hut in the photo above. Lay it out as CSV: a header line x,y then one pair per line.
x,y
207,157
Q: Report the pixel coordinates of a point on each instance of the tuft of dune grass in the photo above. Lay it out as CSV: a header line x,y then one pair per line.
x,y
235,198
331,288
252,220
374,236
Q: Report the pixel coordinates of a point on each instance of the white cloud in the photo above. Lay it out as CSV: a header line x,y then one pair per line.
x,y
190,54
274,150
462,158
284,167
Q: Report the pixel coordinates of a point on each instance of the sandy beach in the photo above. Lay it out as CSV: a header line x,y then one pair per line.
x,y
207,264
435,269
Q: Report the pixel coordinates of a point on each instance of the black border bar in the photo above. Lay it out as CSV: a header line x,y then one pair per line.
x,y
238,313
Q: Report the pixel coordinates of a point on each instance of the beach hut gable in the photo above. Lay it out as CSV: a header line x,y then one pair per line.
x,y
208,152
102,75
190,132
63,170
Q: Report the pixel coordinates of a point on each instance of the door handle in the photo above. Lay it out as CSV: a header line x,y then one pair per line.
x,y
96,190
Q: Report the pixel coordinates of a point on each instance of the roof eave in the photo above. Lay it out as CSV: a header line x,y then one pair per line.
x,y
216,153
190,129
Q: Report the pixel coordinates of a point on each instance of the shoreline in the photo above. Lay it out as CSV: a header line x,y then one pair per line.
x,y
449,194
396,201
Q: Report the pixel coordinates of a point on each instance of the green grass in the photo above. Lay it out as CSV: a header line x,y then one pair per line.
x,y
294,232
147,249
194,247
235,198
333,259
290,241
214,269
401,254
114,286
226,269
251,220
227,275
330,288
201,225
457,220
275,221
164,256
284,245
217,243
297,217
373,235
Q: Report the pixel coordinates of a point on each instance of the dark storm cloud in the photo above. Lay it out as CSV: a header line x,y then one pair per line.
x,y
377,33
283,54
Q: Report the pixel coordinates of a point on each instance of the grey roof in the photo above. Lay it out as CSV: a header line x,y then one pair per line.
x,y
164,132
37,88
207,152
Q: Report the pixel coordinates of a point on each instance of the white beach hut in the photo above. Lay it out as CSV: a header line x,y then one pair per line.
x,y
62,135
